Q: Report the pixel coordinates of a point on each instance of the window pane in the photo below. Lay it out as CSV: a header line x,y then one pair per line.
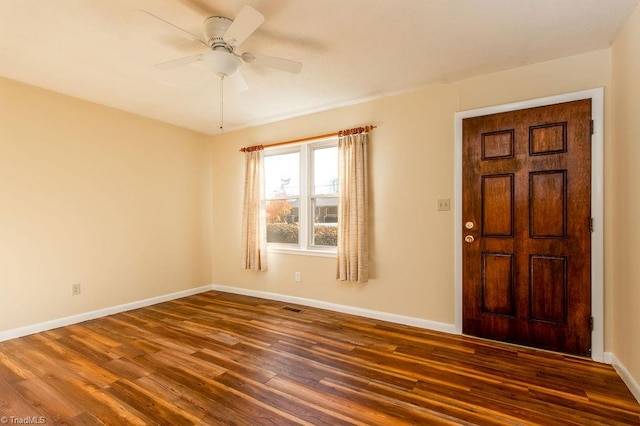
x,y
325,170
282,221
282,175
325,221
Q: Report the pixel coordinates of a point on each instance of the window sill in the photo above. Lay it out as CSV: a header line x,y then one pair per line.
x,y
300,252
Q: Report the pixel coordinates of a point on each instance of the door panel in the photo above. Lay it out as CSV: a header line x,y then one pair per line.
x,y
549,289
497,206
548,215
526,214
497,284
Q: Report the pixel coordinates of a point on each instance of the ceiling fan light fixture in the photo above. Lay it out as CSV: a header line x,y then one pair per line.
x,y
221,62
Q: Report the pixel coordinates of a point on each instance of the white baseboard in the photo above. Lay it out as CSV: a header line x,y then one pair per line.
x,y
608,358
368,313
626,376
74,319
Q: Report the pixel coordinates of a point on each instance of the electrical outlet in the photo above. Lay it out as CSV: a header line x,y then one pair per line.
x,y
444,204
75,289
298,277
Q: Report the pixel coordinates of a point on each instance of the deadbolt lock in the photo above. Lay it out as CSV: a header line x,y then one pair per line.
x,y
468,225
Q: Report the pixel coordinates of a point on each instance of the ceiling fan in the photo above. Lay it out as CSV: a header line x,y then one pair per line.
x,y
222,36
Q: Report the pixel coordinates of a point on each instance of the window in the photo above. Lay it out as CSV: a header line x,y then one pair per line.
x,y
301,188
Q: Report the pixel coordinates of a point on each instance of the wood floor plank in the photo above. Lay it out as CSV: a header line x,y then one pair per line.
x,y
100,406
413,410
153,405
352,410
56,405
212,399
243,368
13,404
11,369
285,402
218,358
78,362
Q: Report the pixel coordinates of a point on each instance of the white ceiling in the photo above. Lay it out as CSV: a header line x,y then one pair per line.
x,y
99,50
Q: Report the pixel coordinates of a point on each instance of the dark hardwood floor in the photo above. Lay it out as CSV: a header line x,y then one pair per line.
x,y
218,358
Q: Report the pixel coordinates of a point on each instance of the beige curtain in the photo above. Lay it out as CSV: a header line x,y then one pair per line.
x,y
254,235
353,208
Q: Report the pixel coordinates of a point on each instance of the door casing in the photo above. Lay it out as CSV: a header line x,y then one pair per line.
x,y
597,203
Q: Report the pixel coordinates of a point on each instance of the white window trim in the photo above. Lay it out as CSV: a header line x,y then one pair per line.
x,y
304,214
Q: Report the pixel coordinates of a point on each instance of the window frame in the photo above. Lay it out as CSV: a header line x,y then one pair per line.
x,y
306,197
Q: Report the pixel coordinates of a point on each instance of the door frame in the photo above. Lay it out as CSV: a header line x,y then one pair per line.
x,y
597,202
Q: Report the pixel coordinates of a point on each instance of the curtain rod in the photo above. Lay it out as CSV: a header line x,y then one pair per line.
x,y
353,131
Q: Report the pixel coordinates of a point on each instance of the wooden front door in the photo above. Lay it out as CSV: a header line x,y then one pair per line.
x,y
526,219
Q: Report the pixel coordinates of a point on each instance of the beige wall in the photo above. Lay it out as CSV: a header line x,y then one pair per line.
x,y
625,203
93,195
411,163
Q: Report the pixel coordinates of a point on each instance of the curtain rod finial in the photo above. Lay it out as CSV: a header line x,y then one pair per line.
x,y
252,148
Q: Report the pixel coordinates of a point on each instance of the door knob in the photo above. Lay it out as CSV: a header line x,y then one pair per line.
x,y
469,238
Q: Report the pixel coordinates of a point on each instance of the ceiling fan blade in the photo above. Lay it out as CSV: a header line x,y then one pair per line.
x,y
237,81
182,31
281,64
247,21
175,63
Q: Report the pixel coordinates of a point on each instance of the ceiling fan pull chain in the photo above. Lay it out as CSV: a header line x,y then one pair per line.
x,y
221,103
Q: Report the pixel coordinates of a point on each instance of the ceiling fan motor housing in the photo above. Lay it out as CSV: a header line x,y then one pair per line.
x,y
214,29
